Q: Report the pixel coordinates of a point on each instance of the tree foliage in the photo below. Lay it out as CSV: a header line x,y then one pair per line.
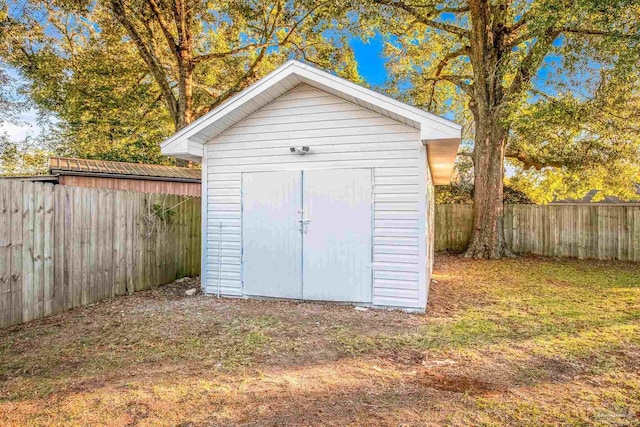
x,y
93,84
483,58
572,145
202,52
460,191
27,157
121,76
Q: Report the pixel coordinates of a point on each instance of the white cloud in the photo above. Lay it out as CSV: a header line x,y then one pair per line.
x,y
25,125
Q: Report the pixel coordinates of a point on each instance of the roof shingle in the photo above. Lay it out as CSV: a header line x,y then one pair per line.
x,y
89,167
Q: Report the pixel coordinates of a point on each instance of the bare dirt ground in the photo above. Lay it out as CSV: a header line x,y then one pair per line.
x,y
530,341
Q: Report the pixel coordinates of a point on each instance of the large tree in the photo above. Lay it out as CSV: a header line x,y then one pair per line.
x,y
487,52
92,86
202,52
120,76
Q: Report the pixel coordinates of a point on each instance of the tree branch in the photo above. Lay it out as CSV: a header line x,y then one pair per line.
x,y
217,55
445,60
594,32
461,9
456,80
531,61
412,10
165,29
148,57
242,80
530,162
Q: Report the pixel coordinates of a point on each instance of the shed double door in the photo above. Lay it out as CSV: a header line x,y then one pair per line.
x,y
307,234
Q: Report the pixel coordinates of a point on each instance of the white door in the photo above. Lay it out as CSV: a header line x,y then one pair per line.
x,y
272,241
337,237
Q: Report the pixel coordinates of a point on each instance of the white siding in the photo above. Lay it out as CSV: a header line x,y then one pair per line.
x,y
340,135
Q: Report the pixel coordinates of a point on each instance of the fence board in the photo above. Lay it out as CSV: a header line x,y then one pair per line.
x,y
48,249
28,282
59,291
5,252
582,231
63,247
16,252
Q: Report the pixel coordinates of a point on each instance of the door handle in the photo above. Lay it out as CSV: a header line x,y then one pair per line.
x,y
304,223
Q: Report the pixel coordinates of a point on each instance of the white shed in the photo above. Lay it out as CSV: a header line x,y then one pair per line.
x,y
315,188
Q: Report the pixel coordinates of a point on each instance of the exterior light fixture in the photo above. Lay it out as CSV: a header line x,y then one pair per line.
x,y
299,150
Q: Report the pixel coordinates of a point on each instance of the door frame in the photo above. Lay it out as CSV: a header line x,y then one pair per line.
x,y
301,171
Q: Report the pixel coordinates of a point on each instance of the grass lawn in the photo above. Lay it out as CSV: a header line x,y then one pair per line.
x,y
530,341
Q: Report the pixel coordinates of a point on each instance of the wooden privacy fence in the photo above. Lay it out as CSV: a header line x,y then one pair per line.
x,y
573,230
63,247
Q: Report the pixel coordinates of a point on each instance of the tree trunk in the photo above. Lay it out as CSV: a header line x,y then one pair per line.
x,y
487,238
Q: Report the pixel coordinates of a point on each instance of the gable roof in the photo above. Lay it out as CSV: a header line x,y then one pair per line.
x,y
88,167
441,136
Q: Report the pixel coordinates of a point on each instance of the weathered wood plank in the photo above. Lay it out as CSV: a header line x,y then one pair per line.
x,y
17,201
130,241
28,216
5,253
38,251
59,291
63,247
119,242
48,250
582,231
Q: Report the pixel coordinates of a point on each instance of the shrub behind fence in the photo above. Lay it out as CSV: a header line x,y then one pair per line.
x,y
573,230
63,247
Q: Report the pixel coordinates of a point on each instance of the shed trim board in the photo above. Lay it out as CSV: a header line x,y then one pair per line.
x,y
205,228
369,243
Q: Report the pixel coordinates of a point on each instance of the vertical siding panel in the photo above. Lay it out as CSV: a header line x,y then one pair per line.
x,y
28,217
506,225
98,241
119,240
49,247
183,236
180,238
130,242
17,243
173,244
59,292
111,261
635,234
38,251
87,267
75,259
140,209
163,232
95,207
5,253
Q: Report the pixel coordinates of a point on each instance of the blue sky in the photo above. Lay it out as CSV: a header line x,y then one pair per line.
x,y
371,63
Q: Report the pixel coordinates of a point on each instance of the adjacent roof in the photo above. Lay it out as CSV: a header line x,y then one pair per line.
x,y
86,167
441,136
608,200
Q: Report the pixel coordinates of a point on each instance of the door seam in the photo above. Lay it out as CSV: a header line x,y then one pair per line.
x,y
302,216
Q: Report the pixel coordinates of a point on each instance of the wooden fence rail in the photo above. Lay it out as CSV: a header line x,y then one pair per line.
x,y
63,247
573,230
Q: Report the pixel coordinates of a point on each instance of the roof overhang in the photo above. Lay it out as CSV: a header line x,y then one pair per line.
x,y
441,136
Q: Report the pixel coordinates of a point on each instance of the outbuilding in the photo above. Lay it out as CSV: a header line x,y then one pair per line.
x,y
315,188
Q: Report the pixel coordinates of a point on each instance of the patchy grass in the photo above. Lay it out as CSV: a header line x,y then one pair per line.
x,y
530,341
